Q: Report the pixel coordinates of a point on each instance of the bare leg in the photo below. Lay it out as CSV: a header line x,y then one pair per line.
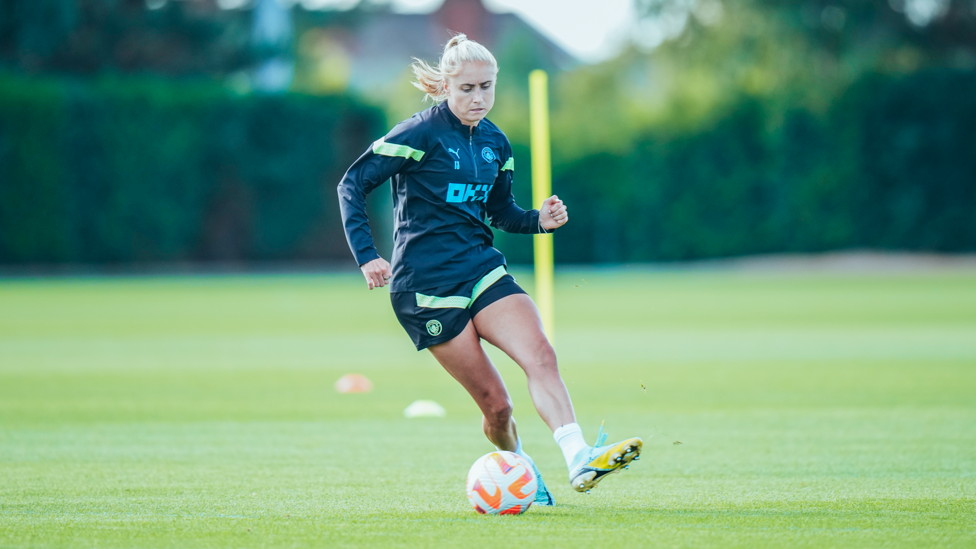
x,y
513,325
465,359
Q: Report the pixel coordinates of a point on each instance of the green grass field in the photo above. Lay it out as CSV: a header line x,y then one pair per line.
x,y
811,411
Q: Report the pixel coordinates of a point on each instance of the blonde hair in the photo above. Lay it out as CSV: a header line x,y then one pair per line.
x,y
458,51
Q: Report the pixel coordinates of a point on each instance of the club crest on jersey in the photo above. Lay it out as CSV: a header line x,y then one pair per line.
x,y
488,154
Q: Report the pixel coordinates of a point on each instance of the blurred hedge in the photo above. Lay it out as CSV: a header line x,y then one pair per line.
x,y
154,171
891,165
145,170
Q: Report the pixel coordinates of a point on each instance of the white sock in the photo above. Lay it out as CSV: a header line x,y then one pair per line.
x,y
570,441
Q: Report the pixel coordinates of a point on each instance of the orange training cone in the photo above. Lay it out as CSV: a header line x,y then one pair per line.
x,y
353,383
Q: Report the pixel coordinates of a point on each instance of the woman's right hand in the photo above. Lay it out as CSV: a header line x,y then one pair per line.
x,y
377,273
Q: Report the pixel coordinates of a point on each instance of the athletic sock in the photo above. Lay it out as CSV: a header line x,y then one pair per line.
x,y
570,441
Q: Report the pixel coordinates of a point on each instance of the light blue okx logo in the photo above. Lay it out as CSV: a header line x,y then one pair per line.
x,y
461,192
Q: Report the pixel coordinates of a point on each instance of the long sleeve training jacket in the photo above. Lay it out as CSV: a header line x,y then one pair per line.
x,y
447,180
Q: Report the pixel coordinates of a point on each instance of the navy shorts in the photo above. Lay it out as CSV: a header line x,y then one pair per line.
x,y
440,314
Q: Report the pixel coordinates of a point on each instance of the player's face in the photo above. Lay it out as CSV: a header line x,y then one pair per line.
x,y
472,93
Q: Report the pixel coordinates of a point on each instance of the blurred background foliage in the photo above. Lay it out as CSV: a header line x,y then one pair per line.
x,y
139,170
134,131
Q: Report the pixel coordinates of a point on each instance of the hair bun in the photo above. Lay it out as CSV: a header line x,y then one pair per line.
x,y
455,40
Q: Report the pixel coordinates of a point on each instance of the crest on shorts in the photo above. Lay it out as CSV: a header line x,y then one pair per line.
x,y
434,327
488,154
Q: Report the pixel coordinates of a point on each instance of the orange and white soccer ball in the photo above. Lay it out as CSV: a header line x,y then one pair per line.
x,y
501,483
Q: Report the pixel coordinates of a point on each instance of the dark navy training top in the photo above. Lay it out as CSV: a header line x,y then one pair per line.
x,y
447,180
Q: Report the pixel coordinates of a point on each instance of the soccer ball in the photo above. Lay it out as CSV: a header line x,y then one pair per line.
x,y
501,483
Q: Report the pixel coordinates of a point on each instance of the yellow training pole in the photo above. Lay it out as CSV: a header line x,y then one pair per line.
x,y
541,190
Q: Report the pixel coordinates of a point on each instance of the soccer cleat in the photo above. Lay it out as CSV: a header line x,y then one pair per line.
x,y
542,495
594,463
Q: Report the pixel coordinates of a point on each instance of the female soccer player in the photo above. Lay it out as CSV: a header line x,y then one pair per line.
x,y
451,169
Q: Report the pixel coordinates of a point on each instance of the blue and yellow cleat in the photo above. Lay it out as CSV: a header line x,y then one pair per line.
x,y
542,495
594,463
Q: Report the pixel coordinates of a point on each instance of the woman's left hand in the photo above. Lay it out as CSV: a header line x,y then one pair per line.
x,y
553,213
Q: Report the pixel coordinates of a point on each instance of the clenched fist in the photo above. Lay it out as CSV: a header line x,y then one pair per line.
x,y
377,273
553,213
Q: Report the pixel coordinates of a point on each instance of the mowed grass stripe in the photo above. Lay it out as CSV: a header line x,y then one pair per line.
x,y
777,410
